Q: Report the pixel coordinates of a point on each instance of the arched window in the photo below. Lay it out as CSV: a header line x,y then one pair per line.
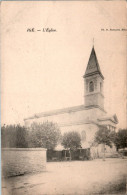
x,y
100,87
91,86
83,136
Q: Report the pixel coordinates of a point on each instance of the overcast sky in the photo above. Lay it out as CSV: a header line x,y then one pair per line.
x,y
43,71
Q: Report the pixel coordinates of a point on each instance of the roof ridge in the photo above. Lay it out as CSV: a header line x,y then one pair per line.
x,y
62,110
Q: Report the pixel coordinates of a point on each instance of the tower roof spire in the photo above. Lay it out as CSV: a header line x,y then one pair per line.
x,y
93,65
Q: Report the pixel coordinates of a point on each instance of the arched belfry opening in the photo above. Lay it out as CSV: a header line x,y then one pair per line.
x,y
91,86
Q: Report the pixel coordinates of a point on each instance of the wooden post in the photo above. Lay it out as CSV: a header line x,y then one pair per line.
x,y
104,153
70,154
65,154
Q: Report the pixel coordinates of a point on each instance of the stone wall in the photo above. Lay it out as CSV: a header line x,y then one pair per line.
x,y
20,161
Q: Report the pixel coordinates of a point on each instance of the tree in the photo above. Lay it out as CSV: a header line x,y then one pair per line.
x,y
13,136
103,136
21,137
46,135
71,140
120,139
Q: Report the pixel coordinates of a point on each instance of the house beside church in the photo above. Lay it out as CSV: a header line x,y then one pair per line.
x,y
83,118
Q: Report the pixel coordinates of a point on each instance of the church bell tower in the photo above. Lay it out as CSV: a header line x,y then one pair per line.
x,y
93,83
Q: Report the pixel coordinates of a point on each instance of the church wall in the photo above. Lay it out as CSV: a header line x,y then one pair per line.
x,y
90,130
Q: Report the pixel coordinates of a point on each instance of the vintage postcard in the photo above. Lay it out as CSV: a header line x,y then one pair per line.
x,y
63,95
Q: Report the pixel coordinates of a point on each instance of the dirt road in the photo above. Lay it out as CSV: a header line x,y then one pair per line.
x,y
67,178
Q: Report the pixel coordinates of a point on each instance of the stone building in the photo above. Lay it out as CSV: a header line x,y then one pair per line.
x,y
83,118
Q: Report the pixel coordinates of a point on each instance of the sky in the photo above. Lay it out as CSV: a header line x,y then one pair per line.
x,y
42,71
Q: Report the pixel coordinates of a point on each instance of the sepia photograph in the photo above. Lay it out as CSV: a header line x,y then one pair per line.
x,y
63,97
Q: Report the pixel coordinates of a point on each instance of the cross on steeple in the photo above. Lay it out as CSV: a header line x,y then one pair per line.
x,y
93,42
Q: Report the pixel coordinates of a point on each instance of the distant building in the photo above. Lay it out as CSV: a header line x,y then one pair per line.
x,y
83,118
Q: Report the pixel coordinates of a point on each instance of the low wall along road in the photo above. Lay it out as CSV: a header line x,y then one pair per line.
x,y
19,161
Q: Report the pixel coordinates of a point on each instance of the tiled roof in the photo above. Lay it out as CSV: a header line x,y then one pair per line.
x,y
61,111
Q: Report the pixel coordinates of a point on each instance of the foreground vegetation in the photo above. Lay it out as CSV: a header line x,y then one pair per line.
x,y
45,135
48,135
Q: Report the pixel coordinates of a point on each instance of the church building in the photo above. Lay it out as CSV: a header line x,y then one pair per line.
x,y
85,118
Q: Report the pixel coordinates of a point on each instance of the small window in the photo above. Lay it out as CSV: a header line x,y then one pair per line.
x,y
91,86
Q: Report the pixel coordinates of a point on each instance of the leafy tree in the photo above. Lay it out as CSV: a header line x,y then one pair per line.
x,y
120,139
13,136
103,136
71,140
21,137
46,135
